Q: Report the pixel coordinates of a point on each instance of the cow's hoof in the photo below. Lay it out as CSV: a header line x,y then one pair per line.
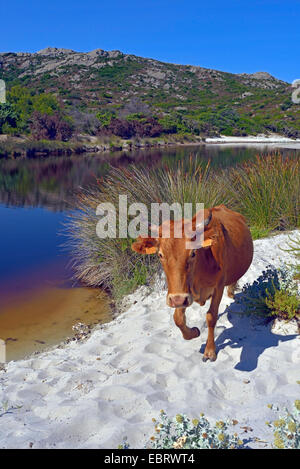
x,y
196,332
211,356
192,333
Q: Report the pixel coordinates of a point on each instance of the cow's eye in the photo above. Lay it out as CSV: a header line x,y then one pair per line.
x,y
160,255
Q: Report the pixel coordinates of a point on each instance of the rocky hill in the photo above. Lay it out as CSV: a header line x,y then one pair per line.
x,y
187,96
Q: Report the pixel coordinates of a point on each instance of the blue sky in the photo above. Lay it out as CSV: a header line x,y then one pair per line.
x,y
235,35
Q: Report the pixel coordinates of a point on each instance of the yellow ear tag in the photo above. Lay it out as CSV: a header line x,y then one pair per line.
x,y
151,250
206,243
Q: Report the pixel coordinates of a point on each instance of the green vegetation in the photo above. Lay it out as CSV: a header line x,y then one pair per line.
x,y
284,305
40,147
8,117
286,429
274,294
39,115
184,99
21,103
267,192
294,248
104,118
181,432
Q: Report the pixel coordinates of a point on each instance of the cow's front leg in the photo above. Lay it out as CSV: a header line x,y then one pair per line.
x,y
180,321
211,320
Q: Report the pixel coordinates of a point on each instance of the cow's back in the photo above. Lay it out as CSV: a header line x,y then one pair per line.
x,y
238,244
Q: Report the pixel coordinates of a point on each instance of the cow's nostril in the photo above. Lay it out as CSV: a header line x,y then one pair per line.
x,y
185,303
177,301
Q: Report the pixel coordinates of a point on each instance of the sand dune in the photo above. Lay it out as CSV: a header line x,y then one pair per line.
x,y
91,394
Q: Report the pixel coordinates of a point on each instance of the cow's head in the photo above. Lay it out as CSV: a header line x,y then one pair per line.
x,y
178,261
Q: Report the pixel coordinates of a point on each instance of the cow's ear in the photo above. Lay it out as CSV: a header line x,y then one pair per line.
x,y
145,245
214,238
209,235
207,243
203,227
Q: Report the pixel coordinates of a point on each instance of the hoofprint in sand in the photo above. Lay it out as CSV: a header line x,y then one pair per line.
x,y
91,394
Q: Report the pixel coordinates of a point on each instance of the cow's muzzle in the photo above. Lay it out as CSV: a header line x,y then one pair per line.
x,y
179,300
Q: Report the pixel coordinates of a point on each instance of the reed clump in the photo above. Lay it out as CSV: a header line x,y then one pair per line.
x,y
267,192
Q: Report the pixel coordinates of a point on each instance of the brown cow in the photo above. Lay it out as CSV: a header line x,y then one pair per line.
x,y
200,274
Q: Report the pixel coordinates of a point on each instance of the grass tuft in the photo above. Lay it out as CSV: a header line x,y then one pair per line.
x,y
267,192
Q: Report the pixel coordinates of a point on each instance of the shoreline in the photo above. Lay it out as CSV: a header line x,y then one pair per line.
x,y
12,148
93,393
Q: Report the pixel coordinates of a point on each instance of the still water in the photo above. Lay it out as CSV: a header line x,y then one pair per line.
x,y
39,301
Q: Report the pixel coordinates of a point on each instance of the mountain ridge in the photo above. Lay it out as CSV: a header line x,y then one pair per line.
x,y
56,51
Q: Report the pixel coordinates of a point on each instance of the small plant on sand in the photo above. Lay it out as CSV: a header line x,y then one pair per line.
x,y
286,428
274,293
182,432
294,248
7,408
283,305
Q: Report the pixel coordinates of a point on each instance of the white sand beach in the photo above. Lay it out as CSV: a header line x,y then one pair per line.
x,y
278,141
90,394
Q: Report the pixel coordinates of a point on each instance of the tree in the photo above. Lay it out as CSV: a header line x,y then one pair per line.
x,y
105,118
25,102
45,103
8,117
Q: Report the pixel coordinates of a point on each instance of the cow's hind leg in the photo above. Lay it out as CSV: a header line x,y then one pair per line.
x,y
180,321
211,320
231,289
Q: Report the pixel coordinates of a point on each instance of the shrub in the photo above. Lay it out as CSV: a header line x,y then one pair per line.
x,y
50,127
286,429
183,432
283,305
274,293
83,122
128,128
8,116
253,296
104,118
120,127
149,127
